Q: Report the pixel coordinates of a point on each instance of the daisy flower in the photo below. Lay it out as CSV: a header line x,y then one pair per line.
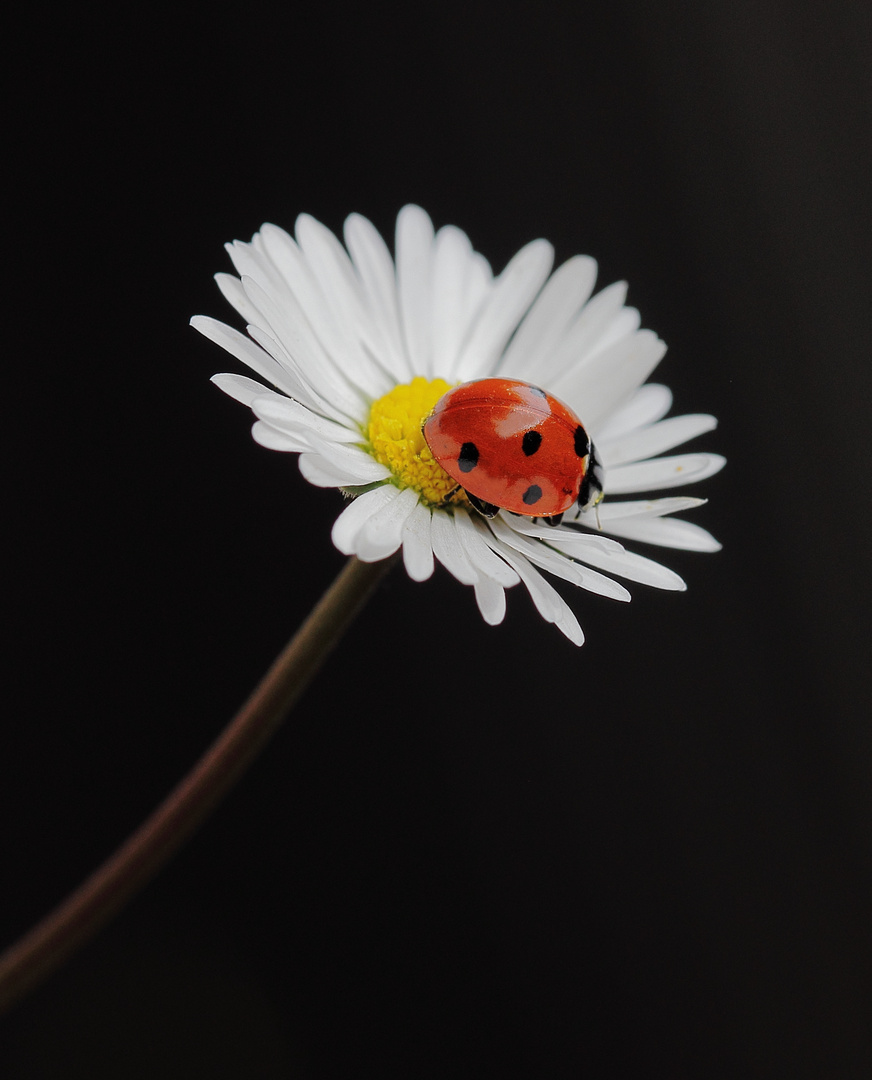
x,y
356,349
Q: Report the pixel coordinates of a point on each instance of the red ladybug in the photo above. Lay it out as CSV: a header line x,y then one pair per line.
x,y
511,446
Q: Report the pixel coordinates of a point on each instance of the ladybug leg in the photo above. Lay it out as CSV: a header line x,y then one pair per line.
x,y
452,493
554,520
486,509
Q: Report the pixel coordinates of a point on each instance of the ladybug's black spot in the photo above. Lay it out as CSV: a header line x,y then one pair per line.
x,y
582,442
531,442
468,458
538,390
532,495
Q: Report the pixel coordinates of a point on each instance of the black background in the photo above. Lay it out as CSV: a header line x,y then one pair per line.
x,y
647,857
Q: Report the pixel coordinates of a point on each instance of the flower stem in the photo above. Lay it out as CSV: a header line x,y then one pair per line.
x,y
77,918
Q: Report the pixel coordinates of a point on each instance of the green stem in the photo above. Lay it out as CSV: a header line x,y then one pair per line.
x,y
34,956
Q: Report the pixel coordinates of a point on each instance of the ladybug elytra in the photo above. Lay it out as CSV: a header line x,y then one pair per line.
x,y
512,446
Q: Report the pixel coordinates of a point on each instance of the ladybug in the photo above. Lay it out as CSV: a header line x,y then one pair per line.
x,y
510,446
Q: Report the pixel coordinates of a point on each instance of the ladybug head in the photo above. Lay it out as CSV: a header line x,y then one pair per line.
x,y
591,492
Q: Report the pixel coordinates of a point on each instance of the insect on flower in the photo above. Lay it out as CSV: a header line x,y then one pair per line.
x,y
412,384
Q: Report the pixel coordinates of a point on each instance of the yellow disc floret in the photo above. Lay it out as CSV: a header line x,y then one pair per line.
x,y
395,438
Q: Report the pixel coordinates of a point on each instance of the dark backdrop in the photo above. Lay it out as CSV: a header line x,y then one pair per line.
x,y
654,860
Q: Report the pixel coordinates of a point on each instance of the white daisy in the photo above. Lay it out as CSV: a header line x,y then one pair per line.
x,y
357,349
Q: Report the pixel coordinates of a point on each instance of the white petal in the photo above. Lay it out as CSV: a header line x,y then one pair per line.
x,y
355,516
556,562
314,324
475,537
568,625
478,287
292,282
417,549
322,473
611,511
662,473
633,567
531,351
647,405
654,439
452,268
528,527
582,576
491,599
260,362
301,388
330,264
414,272
232,291
382,532
449,550
503,308
278,440
626,322
297,349
544,596
586,336
549,603
605,307
319,472
598,386
353,462
307,302
250,260
240,387
290,416
667,532
329,465
352,322
376,269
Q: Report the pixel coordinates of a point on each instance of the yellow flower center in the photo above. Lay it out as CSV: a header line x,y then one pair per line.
x,y
395,438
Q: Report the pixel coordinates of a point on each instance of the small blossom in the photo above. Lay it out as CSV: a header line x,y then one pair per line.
x,y
355,348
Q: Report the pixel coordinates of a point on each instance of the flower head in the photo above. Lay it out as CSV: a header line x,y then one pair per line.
x,y
357,350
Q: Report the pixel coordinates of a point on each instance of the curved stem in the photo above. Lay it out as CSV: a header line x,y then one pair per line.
x,y
33,957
